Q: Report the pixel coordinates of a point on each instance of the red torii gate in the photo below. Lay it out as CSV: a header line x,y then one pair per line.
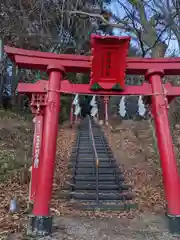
x,y
107,64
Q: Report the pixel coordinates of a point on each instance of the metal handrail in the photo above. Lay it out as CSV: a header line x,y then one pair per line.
x,y
96,160
93,141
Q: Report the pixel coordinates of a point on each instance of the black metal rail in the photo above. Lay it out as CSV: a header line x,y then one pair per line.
x,y
97,183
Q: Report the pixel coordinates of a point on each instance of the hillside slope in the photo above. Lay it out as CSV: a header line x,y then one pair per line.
x,y
133,146
16,137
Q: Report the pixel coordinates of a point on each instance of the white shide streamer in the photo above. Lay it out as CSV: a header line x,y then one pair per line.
x,y
94,110
122,107
141,107
77,106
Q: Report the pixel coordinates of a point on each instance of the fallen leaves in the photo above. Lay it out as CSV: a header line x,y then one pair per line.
x,y
8,190
135,154
133,148
14,187
65,141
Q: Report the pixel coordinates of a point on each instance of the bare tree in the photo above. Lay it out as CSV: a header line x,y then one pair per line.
x,y
168,12
45,24
48,26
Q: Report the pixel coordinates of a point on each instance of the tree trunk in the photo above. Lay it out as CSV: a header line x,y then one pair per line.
x,y
14,84
1,68
159,50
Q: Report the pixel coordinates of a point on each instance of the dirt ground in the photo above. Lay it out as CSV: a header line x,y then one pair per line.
x,y
143,227
133,147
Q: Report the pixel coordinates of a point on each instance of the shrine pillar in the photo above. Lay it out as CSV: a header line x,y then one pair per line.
x,y
72,114
76,119
106,100
41,222
170,174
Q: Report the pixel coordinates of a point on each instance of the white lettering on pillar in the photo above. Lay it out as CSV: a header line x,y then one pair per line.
x,y
37,145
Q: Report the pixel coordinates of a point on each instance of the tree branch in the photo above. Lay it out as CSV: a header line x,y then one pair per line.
x,y
119,25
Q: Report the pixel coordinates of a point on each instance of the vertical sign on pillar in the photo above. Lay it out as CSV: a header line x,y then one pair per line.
x,y
37,142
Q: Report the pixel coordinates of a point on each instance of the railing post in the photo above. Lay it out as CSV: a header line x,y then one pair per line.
x,y
106,100
41,221
166,150
72,115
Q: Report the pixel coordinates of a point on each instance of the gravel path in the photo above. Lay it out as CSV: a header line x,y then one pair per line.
x,y
144,227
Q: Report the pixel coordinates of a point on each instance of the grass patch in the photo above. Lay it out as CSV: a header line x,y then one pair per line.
x,y
11,114
15,143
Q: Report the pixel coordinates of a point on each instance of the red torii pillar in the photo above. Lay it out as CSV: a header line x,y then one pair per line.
x,y
41,221
170,173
